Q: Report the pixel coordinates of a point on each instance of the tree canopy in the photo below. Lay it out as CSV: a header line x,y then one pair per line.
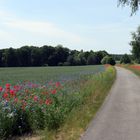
x,y
135,43
125,59
27,56
134,4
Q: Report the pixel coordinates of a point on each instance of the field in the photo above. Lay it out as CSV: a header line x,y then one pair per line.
x,y
45,74
42,98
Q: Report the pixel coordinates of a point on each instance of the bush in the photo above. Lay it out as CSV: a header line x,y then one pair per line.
x,y
108,60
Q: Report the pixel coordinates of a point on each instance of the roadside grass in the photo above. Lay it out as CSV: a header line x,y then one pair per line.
x,y
94,92
129,67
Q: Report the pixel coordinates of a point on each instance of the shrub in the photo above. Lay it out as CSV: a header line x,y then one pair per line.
x,y
108,60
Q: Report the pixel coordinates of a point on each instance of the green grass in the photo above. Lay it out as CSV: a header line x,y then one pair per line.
x,y
44,74
128,66
94,92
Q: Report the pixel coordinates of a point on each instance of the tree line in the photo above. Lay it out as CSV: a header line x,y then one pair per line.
x,y
48,56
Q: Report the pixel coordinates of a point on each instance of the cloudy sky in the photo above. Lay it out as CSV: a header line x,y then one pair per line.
x,y
76,24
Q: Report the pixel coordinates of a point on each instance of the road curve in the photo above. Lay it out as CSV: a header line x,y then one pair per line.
x,y
119,116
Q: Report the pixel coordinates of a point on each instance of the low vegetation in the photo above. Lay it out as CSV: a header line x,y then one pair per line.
x,y
92,93
37,98
134,68
31,100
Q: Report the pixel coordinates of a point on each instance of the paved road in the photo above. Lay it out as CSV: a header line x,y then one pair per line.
x,y
119,117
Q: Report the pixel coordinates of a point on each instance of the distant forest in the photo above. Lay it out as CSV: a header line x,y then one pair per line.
x,y
48,56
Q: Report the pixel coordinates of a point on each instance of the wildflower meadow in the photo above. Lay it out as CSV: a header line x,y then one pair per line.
x,y
43,97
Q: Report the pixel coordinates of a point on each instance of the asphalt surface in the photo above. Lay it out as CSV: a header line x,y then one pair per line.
x,y
119,116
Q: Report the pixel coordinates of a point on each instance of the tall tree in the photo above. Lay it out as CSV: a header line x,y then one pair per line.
x,y
1,61
10,57
46,52
35,56
135,43
125,59
24,56
134,4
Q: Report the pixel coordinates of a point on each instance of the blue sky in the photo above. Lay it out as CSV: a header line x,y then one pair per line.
x,y
76,24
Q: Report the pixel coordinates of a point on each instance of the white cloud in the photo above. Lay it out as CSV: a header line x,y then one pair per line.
x,y
16,27
18,32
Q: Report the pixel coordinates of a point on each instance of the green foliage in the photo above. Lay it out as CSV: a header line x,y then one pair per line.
x,y
27,56
108,60
125,59
93,59
135,43
134,4
16,124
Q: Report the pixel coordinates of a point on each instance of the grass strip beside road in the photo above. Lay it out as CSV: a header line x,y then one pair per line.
x,y
131,68
94,92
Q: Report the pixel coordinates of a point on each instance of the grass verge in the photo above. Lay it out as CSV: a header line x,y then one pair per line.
x,y
94,92
131,68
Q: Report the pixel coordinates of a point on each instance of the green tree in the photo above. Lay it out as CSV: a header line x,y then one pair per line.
x,y
10,57
1,61
59,56
93,59
46,52
82,58
108,60
135,43
24,56
35,56
134,4
125,59
100,55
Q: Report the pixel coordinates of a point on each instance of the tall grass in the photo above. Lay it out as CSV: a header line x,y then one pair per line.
x,y
92,94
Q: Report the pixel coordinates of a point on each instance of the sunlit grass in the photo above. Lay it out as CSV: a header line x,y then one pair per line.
x,y
94,93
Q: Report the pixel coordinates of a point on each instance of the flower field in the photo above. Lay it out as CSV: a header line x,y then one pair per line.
x,y
37,98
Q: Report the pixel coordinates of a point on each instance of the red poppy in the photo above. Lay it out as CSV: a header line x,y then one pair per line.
x,y
135,67
7,85
12,93
53,91
57,84
48,102
5,95
35,98
1,89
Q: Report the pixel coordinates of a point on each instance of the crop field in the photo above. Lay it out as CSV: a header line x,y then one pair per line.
x,y
35,98
45,74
